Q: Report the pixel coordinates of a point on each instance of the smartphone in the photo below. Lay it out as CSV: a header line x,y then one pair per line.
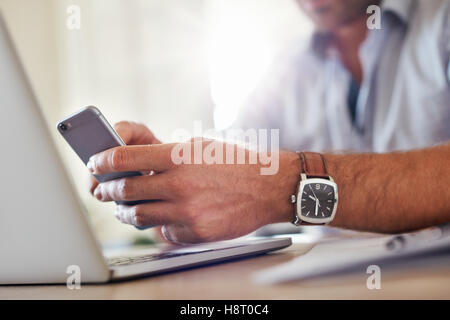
x,y
88,133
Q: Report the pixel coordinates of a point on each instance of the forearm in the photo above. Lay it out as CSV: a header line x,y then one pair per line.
x,y
393,192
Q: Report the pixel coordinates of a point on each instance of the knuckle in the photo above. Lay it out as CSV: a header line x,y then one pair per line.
x,y
121,123
124,189
175,184
191,213
139,216
183,185
118,158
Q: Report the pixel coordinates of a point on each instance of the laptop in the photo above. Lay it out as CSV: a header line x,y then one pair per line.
x,y
43,228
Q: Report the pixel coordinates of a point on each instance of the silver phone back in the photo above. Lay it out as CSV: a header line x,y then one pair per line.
x,y
43,231
88,133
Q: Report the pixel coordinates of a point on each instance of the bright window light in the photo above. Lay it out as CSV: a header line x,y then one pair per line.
x,y
238,56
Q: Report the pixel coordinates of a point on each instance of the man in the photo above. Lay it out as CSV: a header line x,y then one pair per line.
x,y
353,88
378,90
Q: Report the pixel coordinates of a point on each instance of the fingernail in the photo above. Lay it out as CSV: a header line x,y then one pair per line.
x,y
117,213
97,192
166,234
90,165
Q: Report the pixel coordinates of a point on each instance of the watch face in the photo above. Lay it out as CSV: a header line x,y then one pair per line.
x,y
318,199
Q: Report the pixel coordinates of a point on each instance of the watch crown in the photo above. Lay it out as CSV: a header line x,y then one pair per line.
x,y
293,198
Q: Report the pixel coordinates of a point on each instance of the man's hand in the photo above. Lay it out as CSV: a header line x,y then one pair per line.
x,y
132,133
396,192
196,202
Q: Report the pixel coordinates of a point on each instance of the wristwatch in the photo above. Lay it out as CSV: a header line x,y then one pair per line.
x,y
317,194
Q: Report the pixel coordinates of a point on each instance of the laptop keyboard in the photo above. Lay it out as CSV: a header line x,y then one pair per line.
x,y
123,261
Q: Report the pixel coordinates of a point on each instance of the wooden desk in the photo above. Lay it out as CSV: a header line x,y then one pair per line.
x,y
232,280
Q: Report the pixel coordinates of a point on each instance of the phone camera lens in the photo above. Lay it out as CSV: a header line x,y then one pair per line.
x,y
62,127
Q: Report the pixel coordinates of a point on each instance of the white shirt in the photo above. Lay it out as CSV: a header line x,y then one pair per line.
x,y
404,99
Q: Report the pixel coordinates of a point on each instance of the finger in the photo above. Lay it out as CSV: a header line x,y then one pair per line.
x,y
147,214
135,133
132,158
179,234
153,187
93,183
200,139
160,236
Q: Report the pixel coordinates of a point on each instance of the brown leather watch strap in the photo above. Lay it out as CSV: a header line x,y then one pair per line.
x,y
314,165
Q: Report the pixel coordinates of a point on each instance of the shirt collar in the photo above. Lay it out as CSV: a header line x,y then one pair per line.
x,y
402,9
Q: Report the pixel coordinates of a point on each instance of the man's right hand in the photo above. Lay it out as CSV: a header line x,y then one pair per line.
x,y
132,133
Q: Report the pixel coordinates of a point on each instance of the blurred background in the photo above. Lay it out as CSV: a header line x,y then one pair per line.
x,y
165,63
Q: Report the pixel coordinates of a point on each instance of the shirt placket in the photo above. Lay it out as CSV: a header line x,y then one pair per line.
x,y
335,85
369,54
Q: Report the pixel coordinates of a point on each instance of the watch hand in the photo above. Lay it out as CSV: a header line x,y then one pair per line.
x,y
317,206
317,199
312,191
312,197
